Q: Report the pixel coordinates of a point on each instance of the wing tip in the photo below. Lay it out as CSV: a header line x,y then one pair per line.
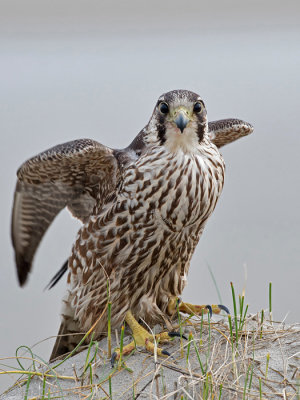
x,y
58,275
23,269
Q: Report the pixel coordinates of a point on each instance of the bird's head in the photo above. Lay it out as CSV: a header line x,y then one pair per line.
x,y
179,120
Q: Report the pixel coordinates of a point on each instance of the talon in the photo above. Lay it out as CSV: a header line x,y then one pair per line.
x,y
177,334
224,308
195,309
142,338
113,358
208,307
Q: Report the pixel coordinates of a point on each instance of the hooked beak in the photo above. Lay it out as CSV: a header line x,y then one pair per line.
x,y
181,120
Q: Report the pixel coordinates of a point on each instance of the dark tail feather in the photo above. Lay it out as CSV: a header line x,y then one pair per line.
x,y
57,276
66,339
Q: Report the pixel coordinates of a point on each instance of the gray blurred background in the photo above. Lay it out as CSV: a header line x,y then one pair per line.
x,y
73,69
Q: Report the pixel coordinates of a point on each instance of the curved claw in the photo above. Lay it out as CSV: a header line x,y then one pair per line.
x,y
208,307
177,334
224,308
113,359
166,353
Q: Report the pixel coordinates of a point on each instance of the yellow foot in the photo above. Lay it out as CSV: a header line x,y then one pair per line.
x,y
143,338
188,308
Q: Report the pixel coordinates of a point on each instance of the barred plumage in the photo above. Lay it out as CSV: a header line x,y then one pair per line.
x,y
143,209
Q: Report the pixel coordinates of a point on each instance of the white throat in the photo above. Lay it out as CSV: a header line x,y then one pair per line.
x,y
188,141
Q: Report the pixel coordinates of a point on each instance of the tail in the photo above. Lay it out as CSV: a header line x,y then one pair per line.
x,y
67,339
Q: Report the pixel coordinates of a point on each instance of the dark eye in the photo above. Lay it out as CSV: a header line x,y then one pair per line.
x,y
197,107
164,108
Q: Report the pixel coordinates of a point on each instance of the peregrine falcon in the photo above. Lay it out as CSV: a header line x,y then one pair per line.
x,y
143,211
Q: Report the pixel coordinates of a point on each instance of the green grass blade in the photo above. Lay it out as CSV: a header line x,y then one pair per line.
x,y
235,314
270,300
199,359
27,386
215,283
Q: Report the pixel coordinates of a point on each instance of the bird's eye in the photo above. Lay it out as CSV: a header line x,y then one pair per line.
x,y
197,107
164,108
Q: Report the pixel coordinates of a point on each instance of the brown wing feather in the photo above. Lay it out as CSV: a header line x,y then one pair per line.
x,y
72,174
225,131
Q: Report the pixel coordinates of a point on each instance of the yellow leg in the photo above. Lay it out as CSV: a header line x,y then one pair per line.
x,y
143,338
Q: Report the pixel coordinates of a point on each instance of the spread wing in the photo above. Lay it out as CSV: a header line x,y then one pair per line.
x,y
225,131
73,174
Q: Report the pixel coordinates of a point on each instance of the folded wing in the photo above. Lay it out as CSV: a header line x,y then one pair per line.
x,y
73,175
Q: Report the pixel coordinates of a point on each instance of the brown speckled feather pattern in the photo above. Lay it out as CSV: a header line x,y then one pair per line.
x,y
143,241
143,211
225,131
